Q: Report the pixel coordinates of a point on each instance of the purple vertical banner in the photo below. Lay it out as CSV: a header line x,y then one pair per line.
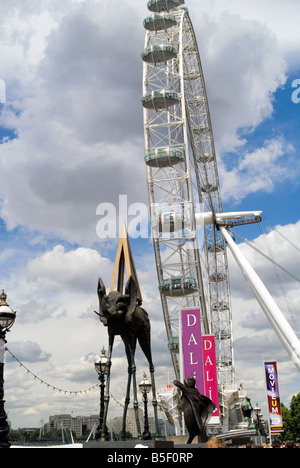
x,y
192,346
275,415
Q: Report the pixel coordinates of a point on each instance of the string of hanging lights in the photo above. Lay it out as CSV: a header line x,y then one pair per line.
x,y
60,390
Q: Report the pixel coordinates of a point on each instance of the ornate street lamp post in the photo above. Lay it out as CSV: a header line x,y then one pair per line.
x,y
101,368
260,423
145,387
7,318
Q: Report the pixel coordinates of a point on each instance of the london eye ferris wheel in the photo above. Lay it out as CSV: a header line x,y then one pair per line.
x,y
189,228
183,181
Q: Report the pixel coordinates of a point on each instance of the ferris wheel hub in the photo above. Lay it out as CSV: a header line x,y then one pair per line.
x,y
234,218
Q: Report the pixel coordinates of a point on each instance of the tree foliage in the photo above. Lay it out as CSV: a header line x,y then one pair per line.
x,y
291,419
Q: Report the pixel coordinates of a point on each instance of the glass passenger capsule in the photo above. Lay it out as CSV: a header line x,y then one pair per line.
x,y
172,221
163,5
173,344
162,99
160,22
159,53
178,286
164,157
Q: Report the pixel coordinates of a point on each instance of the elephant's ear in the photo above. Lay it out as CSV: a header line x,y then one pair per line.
x,y
131,292
101,291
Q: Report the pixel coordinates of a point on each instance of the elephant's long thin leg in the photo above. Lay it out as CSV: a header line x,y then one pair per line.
x,y
127,400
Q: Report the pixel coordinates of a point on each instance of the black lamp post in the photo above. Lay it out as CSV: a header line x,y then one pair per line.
x,y
7,318
145,387
101,368
260,423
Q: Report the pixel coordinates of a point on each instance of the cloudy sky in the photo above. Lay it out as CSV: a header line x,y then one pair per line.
x,y
71,138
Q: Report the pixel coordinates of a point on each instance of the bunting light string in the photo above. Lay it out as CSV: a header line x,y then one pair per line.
x,y
116,401
60,390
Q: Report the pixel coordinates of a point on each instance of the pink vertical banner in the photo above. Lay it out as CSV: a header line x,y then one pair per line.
x,y
192,346
210,374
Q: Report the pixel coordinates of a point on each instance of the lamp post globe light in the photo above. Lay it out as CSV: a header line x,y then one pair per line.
x,y
145,387
101,369
7,319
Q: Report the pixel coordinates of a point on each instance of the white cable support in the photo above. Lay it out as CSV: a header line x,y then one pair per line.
x,y
266,256
282,235
279,323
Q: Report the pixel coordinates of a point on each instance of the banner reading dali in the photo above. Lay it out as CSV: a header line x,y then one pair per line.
x,y
192,346
210,374
199,357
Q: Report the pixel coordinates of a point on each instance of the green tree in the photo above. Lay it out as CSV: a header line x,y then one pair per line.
x,y
295,416
35,436
291,420
287,423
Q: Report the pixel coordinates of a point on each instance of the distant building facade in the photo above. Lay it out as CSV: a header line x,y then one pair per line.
x,y
80,424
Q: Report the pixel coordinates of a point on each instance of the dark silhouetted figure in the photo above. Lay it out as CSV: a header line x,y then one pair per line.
x,y
197,409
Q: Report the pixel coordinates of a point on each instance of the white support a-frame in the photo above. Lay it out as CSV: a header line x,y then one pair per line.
x,y
278,321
